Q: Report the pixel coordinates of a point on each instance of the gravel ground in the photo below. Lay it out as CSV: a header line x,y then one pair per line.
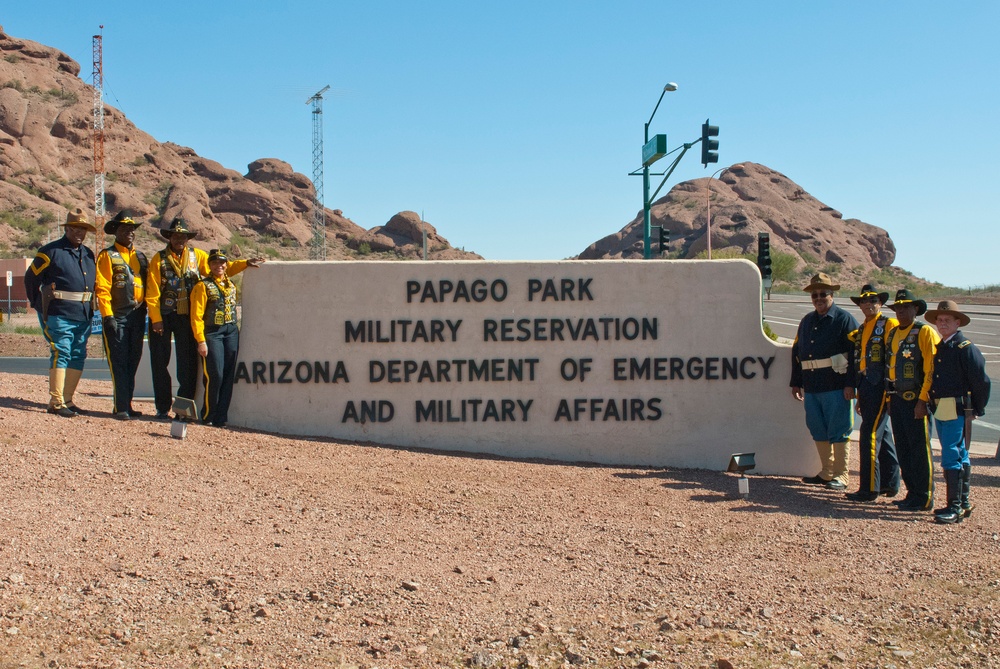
x,y
123,547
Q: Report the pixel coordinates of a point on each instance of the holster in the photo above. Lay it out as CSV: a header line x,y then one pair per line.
x,y
46,292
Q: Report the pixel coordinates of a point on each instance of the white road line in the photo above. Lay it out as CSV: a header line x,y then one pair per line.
x,y
983,423
990,334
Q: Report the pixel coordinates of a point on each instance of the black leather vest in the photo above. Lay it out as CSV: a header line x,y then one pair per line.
x,y
909,361
220,307
123,281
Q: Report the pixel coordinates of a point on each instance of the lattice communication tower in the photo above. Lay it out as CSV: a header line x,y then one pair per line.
x,y
317,249
99,211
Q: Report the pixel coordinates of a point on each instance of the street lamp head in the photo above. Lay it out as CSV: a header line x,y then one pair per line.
x,y
671,86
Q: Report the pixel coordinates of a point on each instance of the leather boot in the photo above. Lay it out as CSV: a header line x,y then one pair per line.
x,y
57,381
825,459
841,454
967,506
953,512
72,380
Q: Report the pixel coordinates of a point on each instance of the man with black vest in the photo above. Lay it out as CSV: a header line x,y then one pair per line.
x,y
879,466
910,350
121,293
173,272
60,286
959,394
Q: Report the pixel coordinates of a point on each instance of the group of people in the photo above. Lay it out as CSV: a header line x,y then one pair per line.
x,y
901,372
186,293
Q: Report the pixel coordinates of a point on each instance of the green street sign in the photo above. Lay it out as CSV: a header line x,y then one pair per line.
x,y
654,149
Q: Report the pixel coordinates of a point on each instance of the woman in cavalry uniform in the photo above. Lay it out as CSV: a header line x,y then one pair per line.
x,y
213,322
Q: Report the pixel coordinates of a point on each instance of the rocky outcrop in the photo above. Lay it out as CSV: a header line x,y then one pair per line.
x,y
46,167
747,199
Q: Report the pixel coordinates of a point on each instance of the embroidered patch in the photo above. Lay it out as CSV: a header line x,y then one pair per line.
x,y
909,396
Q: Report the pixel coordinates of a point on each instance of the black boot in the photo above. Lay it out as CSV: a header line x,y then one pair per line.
x,y
953,512
967,506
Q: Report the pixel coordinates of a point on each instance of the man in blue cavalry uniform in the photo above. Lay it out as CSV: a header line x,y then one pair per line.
x,y
173,273
959,393
910,350
60,285
820,360
213,321
120,288
877,453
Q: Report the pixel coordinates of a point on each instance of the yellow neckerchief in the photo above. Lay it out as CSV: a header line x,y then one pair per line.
x,y
179,269
225,287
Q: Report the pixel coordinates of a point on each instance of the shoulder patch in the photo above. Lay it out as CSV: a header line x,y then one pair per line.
x,y
853,335
964,343
40,262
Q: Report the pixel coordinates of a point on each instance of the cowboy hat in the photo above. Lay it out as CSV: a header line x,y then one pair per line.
x,y
177,226
78,219
951,309
868,290
123,217
821,280
904,297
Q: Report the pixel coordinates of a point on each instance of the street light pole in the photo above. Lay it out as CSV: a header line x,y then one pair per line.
x,y
646,230
708,214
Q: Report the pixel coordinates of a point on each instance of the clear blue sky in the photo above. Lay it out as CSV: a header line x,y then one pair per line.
x,y
513,125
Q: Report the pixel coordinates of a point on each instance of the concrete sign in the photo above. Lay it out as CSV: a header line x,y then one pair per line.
x,y
616,362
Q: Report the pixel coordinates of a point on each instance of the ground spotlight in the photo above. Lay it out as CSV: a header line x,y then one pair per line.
x,y
742,463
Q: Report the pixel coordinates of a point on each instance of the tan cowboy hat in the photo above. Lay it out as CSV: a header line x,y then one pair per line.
x,y
821,280
951,309
78,219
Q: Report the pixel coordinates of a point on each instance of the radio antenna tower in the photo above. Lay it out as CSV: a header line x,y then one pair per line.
x,y
318,246
99,212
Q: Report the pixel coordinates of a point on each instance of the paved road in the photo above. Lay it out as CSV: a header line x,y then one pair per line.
x,y
94,369
783,313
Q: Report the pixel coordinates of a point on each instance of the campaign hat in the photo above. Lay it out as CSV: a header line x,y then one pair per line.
x,y
177,225
821,280
78,219
123,217
868,290
905,296
947,307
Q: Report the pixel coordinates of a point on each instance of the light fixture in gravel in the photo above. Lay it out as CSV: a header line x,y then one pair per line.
x,y
742,463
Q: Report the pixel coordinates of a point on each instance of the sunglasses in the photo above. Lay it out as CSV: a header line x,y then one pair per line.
x,y
821,294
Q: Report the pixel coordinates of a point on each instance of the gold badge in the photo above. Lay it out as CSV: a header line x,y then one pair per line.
x,y
909,396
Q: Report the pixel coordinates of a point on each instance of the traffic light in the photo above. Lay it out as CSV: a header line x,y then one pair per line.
x,y
764,254
709,147
664,240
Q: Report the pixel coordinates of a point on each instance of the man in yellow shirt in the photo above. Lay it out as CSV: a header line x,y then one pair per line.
x,y
121,290
911,347
173,272
879,466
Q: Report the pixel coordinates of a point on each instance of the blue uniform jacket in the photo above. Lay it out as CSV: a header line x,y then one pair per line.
x,y
820,337
959,368
70,269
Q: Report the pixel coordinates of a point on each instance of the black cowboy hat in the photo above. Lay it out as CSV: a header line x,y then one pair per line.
x,y
123,217
177,225
868,290
904,297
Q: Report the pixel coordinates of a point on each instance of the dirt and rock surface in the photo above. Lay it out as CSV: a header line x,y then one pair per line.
x,y
123,547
